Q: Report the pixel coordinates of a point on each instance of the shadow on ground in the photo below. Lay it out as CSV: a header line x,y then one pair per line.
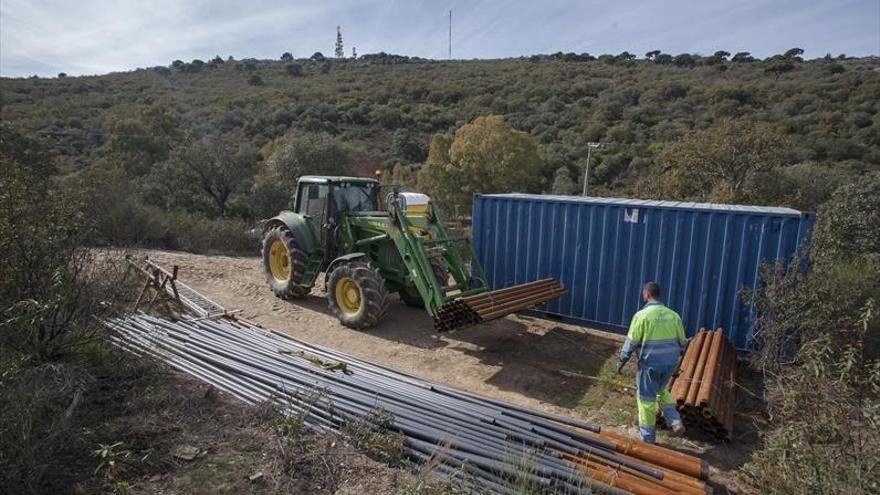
x,y
540,364
402,324
534,360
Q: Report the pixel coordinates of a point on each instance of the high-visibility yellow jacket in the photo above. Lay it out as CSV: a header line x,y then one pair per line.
x,y
656,335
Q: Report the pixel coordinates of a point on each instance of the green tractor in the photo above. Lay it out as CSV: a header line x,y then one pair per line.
x,y
336,225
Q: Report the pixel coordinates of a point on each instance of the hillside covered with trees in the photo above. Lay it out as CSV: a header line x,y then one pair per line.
x,y
209,147
191,155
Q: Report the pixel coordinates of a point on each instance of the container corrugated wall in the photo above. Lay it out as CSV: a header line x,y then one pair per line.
x,y
603,250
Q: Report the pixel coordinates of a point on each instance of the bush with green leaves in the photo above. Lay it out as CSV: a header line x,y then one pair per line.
x,y
209,175
119,216
50,290
484,156
307,154
819,332
53,293
372,434
563,183
850,223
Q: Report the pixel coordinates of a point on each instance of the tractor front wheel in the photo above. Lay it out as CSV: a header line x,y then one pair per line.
x,y
284,263
357,295
410,294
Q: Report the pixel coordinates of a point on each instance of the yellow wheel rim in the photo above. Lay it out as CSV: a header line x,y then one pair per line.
x,y
279,261
348,295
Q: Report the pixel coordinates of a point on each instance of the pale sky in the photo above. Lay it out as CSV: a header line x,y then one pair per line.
x,y
99,36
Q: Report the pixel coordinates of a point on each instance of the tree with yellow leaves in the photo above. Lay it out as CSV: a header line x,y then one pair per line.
x,y
484,156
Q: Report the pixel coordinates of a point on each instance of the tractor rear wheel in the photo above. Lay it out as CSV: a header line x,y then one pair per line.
x,y
410,295
284,263
356,294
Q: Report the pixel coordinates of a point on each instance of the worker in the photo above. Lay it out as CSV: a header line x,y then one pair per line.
x,y
656,336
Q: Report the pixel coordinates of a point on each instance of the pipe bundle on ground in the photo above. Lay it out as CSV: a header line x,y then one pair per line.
x,y
703,385
480,442
488,306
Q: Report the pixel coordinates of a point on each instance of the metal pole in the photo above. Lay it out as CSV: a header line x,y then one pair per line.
x,y
587,171
450,34
590,147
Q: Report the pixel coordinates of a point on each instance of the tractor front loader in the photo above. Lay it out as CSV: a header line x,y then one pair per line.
x,y
335,225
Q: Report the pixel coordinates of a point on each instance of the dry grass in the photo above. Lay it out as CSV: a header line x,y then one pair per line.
x,y
127,426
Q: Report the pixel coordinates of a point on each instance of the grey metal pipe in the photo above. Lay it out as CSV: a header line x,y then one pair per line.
x,y
481,436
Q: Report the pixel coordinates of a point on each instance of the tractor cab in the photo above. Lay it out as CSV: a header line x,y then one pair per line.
x,y
322,198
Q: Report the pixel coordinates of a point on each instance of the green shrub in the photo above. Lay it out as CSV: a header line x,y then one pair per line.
x,y
371,434
820,355
199,234
53,293
119,217
850,223
50,288
299,154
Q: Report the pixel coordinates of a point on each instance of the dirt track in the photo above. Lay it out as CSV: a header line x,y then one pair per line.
x,y
519,358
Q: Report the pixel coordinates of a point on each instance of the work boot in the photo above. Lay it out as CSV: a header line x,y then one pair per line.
x,y
648,433
676,429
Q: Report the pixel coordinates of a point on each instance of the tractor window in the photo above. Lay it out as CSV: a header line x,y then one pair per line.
x,y
313,200
355,197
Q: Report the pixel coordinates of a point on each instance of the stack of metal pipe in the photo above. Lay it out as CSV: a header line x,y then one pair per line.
x,y
682,473
453,315
481,444
703,385
496,304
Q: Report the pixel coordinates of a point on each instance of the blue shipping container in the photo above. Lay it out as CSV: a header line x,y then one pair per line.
x,y
604,249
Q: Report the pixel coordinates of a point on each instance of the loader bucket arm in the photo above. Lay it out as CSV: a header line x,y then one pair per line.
x,y
468,301
417,254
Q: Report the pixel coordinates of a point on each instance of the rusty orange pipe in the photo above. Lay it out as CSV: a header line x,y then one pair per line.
x,y
676,466
498,297
722,410
712,407
699,370
694,386
672,480
660,456
688,365
507,290
711,371
613,477
669,475
520,304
